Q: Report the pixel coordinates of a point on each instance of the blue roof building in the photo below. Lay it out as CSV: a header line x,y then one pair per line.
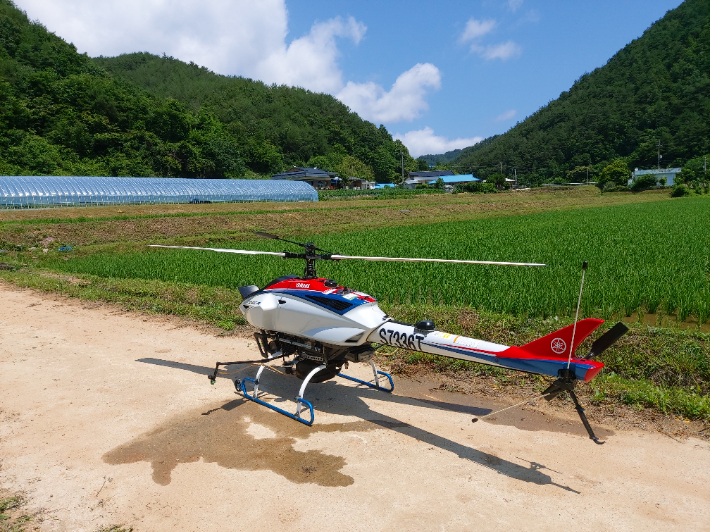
x,y
456,179
420,178
430,174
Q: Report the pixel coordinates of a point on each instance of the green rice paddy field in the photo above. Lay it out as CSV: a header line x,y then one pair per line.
x,y
652,257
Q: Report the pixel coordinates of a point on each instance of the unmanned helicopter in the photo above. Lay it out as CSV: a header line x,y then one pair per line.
x,y
316,327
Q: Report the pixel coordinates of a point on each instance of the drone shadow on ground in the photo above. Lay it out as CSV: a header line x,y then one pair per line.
x,y
324,397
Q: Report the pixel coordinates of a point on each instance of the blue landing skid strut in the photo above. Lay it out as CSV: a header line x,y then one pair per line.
x,y
241,387
376,373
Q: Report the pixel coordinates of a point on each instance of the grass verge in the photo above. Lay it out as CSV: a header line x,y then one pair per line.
x,y
12,518
216,306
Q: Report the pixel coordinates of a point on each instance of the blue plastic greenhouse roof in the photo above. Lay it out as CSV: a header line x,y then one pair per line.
x,y
37,191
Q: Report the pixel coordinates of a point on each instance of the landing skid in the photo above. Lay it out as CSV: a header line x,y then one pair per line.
x,y
241,387
376,374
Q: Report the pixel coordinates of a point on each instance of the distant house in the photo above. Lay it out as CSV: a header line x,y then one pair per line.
x,y
317,178
420,178
360,183
669,173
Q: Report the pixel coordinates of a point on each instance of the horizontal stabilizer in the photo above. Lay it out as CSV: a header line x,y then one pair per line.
x,y
557,344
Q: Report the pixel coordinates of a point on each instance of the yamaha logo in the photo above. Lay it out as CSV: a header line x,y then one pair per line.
x,y
558,345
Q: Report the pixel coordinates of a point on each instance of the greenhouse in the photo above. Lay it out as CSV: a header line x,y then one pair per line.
x,y
55,191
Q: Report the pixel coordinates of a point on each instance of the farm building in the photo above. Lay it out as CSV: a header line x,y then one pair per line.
x,y
359,183
49,191
420,178
668,173
317,178
453,180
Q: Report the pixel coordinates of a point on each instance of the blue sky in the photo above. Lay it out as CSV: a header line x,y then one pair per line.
x,y
440,75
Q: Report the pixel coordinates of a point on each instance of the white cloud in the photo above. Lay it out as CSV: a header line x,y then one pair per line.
x,y
514,5
476,28
506,116
236,37
227,36
502,51
310,61
424,142
404,101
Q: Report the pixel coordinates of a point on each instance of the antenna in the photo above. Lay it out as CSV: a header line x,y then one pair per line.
x,y
576,316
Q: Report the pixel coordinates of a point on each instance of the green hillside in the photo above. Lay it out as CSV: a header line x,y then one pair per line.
x,y
64,113
655,88
303,127
439,158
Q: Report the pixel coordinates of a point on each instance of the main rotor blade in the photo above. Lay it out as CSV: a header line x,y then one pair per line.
x,y
606,340
240,251
276,237
393,259
348,257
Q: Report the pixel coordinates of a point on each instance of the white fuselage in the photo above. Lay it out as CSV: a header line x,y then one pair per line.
x,y
287,313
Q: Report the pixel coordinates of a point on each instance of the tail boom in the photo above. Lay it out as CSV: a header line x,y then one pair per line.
x,y
544,356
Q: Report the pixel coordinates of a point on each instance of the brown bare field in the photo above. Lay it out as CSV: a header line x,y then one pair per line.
x,y
214,222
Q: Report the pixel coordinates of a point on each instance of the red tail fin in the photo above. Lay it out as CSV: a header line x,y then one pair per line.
x,y
556,344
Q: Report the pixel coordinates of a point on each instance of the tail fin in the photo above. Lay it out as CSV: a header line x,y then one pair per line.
x,y
556,344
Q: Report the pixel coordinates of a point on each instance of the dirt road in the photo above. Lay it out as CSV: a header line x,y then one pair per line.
x,y
108,418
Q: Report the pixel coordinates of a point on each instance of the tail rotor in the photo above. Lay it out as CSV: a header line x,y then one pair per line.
x,y
606,340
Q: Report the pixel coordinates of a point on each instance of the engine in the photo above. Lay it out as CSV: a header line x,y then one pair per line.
x,y
308,354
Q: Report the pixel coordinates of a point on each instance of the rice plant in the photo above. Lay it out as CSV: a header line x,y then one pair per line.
x,y
648,257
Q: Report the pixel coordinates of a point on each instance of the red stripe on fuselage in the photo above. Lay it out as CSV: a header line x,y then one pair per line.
x,y
517,353
316,285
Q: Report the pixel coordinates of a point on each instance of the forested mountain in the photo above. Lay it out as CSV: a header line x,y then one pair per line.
x,y
64,113
657,88
303,127
440,158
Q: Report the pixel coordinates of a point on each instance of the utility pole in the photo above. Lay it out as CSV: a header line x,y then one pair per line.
x,y
516,177
501,167
402,155
659,153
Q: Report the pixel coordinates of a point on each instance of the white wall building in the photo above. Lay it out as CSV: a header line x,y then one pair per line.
x,y
668,173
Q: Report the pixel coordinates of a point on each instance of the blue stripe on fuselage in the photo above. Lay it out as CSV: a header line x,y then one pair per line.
x,y
549,367
303,294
